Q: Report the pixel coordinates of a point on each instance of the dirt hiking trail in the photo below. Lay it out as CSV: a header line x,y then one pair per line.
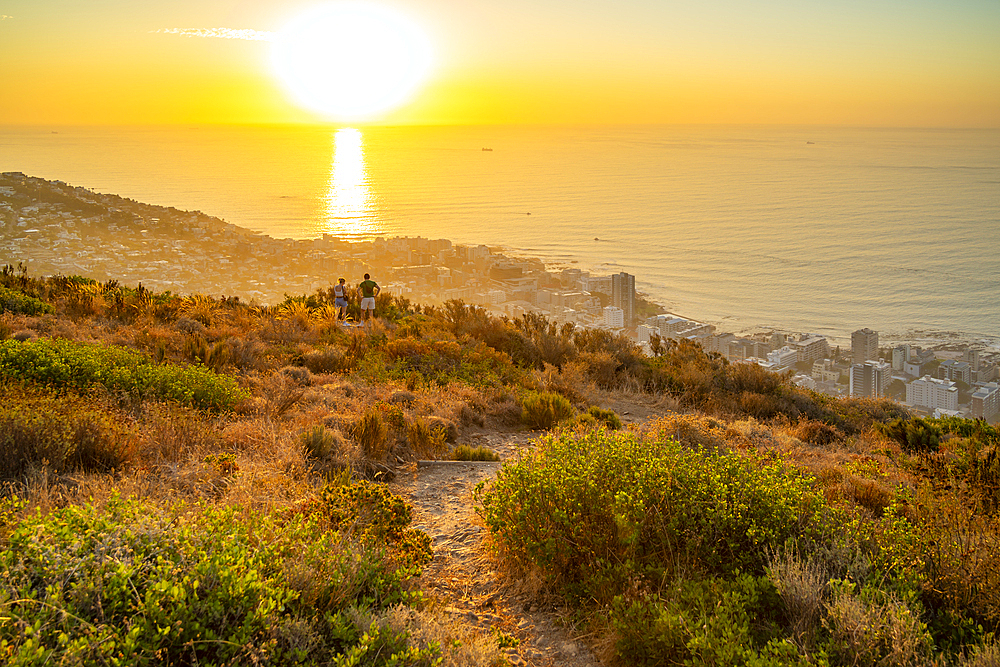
x,y
461,576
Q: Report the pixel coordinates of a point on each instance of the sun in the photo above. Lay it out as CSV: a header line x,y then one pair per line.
x,y
351,60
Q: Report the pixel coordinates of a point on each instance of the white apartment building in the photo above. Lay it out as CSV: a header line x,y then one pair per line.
x,y
900,355
824,371
614,317
811,348
643,331
496,297
955,370
932,393
718,343
783,358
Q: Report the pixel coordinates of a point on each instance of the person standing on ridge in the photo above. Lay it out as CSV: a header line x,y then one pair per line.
x,y
340,299
368,290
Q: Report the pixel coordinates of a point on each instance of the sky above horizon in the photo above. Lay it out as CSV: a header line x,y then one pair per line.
x,y
919,63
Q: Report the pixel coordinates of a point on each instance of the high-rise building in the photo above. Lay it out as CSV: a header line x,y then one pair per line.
x,y
870,379
623,295
986,401
900,355
955,370
864,345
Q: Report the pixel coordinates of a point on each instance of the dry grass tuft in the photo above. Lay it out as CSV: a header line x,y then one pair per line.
x,y
174,434
424,439
880,631
370,432
801,584
462,645
816,432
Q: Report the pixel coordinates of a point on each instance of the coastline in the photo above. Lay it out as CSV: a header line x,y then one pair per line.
x,y
70,221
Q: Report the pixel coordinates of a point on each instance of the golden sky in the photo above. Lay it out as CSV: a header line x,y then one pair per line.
x,y
859,62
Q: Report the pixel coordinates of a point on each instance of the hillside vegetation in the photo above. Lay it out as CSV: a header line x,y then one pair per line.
x,y
198,480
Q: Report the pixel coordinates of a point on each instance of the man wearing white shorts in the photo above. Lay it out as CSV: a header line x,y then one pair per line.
x,y
368,290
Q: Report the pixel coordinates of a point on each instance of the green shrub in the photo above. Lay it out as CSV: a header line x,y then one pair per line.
x,y
606,417
667,544
913,435
545,409
63,430
711,622
370,512
466,453
584,502
63,363
17,302
131,584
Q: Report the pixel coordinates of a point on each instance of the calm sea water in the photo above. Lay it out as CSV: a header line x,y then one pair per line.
x,y
803,229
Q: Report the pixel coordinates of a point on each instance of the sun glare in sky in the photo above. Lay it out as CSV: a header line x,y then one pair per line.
x,y
351,61
455,62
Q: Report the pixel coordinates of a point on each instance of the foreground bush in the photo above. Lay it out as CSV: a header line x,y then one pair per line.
x,y
670,543
582,503
131,584
62,430
63,363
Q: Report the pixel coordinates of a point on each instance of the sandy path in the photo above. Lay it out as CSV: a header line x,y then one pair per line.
x,y
460,576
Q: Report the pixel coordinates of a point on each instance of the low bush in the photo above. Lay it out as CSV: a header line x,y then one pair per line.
x,y
328,360
132,584
710,622
873,627
14,301
63,363
628,522
319,443
545,409
606,417
63,431
816,432
466,453
623,497
913,435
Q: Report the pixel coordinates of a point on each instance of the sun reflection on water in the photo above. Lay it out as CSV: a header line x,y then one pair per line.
x,y
349,200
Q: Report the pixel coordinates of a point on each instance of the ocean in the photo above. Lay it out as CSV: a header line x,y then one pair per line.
x,y
799,229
